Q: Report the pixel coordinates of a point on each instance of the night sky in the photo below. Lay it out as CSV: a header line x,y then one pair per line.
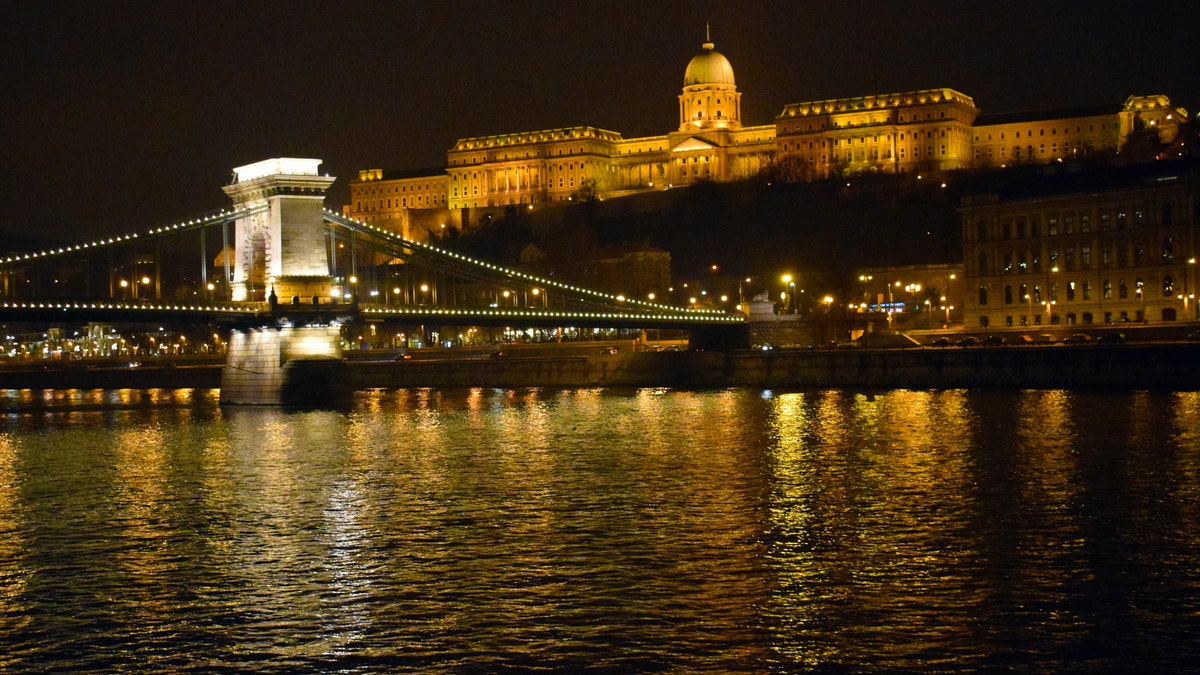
x,y
117,116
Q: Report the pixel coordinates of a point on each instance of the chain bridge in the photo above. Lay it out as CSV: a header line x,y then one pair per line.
x,y
283,274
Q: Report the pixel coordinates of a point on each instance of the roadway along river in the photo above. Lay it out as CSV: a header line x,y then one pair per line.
x,y
638,530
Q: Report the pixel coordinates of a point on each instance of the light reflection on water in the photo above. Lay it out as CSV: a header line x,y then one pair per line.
x,y
615,531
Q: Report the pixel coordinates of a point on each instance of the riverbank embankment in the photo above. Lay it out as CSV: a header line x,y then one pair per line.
x,y
1174,366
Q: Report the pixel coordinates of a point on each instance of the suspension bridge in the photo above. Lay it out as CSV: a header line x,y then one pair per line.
x,y
288,273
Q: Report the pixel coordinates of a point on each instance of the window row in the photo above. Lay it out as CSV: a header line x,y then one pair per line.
x,y
1119,254
1042,132
1070,318
1071,291
1067,222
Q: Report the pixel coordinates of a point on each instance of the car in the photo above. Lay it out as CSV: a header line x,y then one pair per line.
x,y
1076,339
1193,336
969,341
609,350
497,355
994,341
940,342
1111,339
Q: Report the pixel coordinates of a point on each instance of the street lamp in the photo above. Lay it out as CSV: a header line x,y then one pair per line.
x,y
1187,272
789,294
865,280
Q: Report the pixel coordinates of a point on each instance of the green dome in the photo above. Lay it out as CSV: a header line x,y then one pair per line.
x,y
708,67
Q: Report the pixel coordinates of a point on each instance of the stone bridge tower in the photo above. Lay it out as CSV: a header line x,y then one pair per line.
x,y
282,248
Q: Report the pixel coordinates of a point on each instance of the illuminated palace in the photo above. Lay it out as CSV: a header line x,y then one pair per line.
x,y
927,130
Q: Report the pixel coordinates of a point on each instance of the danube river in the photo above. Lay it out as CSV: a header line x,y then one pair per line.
x,y
641,530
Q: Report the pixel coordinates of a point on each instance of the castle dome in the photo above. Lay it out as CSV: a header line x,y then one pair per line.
x,y
708,67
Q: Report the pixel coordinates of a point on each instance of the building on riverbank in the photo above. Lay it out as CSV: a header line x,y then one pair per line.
x,y
1104,245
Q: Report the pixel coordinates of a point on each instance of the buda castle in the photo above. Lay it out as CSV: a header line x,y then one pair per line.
x,y
918,131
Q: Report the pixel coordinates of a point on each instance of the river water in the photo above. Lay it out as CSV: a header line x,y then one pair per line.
x,y
481,530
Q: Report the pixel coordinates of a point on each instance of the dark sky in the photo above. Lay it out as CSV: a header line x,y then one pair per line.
x,y
119,115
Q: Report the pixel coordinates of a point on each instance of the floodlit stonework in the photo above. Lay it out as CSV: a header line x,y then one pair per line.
x,y
917,131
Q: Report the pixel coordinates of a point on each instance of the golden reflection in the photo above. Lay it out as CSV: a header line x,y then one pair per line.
x,y
1185,423
1185,420
872,492
142,507
13,575
371,401
1045,439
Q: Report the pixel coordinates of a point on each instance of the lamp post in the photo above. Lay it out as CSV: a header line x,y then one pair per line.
x,y
1051,295
865,280
789,292
828,302
946,295
1187,273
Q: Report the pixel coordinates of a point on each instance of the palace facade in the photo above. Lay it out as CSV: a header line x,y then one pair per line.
x,y
918,131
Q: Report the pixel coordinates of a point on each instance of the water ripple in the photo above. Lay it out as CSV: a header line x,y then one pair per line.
x,y
602,531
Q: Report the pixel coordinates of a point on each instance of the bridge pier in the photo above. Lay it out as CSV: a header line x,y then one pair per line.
x,y
289,366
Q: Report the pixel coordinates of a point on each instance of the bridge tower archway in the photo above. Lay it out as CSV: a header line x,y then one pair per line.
x,y
280,244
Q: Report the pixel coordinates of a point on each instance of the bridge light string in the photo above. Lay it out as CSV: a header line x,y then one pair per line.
x,y
334,217
406,311
203,221
519,313
141,308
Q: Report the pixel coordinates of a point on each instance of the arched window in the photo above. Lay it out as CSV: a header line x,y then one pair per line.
x,y
1008,299
983,262
983,295
1168,285
1168,249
